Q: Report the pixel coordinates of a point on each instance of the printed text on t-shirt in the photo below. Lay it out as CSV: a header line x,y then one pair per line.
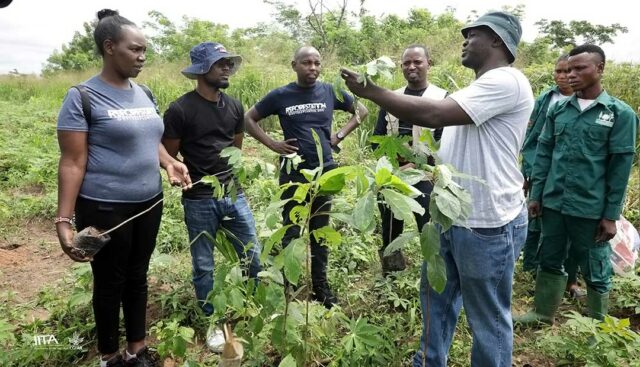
x,y
145,113
305,108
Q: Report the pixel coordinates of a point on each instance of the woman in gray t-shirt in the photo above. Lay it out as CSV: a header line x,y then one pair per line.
x,y
108,172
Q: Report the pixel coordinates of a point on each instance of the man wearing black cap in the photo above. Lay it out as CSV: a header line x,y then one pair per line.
x,y
199,125
486,124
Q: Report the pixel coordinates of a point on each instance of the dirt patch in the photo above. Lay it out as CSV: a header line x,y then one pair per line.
x,y
31,259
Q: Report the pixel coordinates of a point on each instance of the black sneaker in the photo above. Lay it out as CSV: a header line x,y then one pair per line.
x,y
322,293
116,361
145,357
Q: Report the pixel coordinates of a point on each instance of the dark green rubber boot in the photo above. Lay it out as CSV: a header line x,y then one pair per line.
x,y
549,291
598,304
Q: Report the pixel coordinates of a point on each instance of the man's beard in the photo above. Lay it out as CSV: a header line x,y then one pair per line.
x,y
218,84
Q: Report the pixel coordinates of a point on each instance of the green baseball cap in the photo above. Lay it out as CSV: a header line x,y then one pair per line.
x,y
505,25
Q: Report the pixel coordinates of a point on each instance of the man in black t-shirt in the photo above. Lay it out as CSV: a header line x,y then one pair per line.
x,y
415,66
199,125
302,106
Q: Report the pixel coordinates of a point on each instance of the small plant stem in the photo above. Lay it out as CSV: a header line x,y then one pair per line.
x,y
141,213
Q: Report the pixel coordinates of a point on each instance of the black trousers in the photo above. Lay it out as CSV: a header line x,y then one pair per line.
x,y
120,267
319,253
392,227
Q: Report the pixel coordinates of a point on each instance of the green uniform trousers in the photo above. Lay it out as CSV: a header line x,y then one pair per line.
x,y
530,253
593,258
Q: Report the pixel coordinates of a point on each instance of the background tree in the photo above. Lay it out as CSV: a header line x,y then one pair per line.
x,y
79,54
562,35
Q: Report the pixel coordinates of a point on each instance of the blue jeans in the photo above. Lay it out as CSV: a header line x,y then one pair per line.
x,y
207,215
480,264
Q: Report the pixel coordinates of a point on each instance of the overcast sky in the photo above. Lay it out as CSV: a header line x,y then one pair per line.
x,y
31,29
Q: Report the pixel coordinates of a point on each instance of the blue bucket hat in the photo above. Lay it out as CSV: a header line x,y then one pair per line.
x,y
204,55
505,25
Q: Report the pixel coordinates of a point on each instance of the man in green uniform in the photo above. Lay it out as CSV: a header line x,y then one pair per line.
x,y
558,92
579,179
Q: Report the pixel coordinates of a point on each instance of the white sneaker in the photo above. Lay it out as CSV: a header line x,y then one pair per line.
x,y
215,339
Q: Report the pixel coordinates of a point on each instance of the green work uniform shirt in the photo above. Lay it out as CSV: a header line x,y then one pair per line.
x,y
536,122
584,158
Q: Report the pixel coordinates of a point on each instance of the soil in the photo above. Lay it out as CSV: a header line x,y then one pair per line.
x,y
30,260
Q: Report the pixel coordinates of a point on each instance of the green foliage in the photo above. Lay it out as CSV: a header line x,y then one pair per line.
x,y
173,338
79,54
561,34
172,43
583,341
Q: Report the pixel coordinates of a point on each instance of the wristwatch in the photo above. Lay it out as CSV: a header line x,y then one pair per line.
x,y
340,135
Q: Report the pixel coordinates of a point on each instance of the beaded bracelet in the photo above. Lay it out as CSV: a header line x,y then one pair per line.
x,y
63,219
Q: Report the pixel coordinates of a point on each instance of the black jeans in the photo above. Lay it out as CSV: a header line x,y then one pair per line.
x,y
392,227
319,253
120,267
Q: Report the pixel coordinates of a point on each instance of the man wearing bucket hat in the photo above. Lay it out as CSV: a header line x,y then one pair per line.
x,y
486,123
199,125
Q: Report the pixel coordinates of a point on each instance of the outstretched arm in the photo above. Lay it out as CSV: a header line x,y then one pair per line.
x,y
420,111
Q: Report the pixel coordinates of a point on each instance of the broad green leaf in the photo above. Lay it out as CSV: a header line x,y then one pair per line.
x,y
383,176
294,256
332,185
402,206
364,212
437,273
346,171
327,235
372,69
429,241
411,176
437,217
273,213
316,140
79,299
427,137
288,361
386,62
362,183
300,195
383,162
272,274
310,174
234,156
403,187
400,242
443,175
385,73
343,217
448,204
299,214
276,237
219,301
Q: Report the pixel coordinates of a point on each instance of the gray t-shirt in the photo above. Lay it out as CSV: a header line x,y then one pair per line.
x,y
123,141
499,103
